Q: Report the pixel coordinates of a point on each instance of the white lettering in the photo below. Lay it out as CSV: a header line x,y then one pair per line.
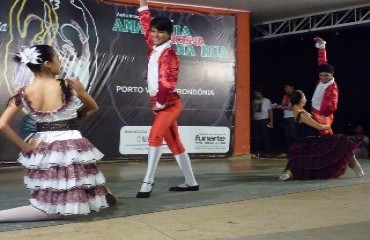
x,y
200,92
129,89
126,15
183,91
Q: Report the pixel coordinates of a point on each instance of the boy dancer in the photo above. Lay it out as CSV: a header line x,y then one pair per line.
x,y
163,69
325,97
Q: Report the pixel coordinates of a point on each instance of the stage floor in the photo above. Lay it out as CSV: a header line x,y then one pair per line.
x,y
240,198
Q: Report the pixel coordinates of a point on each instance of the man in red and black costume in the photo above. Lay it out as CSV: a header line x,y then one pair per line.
x,y
325,97
163,70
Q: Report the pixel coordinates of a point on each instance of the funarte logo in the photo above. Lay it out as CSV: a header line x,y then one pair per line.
x,y
209,139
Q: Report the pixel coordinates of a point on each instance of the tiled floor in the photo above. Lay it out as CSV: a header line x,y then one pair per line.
x,y
239,199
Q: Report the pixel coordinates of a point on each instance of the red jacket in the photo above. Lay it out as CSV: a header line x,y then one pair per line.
x,y
329,102
168,63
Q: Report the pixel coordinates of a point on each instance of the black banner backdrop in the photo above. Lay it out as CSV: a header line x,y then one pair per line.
x,y
103,46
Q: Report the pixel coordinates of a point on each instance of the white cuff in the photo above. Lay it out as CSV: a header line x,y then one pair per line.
x,y
143,8
158,105
320,45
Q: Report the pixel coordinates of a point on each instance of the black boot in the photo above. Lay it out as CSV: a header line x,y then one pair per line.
x,y
145,194
184,189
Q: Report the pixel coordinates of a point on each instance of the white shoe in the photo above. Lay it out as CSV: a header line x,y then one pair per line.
x,y
358,170
183,160
283,155
286,175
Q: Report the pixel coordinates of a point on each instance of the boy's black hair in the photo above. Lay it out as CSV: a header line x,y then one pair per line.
x,y
328,68
162,24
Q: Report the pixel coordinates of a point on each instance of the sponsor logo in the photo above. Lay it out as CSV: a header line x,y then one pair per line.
x,y
210,139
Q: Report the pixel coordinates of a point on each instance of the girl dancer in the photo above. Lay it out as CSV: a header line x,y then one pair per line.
x,y
61,168
314,156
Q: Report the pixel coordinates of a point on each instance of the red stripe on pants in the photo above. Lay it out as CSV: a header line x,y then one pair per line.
x,y
165,127
323,120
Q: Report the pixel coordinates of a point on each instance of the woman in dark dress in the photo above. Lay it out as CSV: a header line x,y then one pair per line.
x,y
314,156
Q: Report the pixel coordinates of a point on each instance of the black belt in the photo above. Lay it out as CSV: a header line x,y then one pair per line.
x,y
63,125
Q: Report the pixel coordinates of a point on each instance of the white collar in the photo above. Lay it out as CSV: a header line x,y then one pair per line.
x,y
328,83
163,46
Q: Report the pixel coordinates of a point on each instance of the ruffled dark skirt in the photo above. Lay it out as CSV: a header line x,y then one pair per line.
x,y
321,157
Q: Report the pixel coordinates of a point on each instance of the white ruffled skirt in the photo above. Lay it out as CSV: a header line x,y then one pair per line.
x,y
62,174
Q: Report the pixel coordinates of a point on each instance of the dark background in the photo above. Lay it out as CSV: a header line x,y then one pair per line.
x,y
293,59
121,61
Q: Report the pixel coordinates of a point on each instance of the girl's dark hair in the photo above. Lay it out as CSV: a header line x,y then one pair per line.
x,y
162,24
296,96
46,54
